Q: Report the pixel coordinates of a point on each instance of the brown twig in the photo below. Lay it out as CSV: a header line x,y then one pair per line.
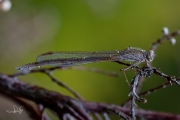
x,y
63,104
52,100
166,36
48,71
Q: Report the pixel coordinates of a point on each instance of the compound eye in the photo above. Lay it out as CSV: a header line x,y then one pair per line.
x,y
150,55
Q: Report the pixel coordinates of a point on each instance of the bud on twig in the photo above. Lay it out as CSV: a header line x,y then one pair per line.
x,y
165,31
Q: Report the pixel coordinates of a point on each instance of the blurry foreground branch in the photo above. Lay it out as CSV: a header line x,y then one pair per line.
x,y
62,105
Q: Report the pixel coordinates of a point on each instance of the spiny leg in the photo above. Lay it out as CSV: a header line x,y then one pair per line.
x,y
126,78
125,69
133,65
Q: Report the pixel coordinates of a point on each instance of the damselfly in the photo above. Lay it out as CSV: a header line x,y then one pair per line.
x,y
64,59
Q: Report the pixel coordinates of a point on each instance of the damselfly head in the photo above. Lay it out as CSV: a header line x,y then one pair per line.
x,y
150,55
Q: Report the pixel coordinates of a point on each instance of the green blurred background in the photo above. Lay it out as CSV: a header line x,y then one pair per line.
x,y
33,27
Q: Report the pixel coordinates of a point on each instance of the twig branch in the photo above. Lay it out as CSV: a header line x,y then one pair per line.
x,y
63,85
166,36
63,104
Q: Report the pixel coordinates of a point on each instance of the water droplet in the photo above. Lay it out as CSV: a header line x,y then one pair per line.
x,y
39,66
117,51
